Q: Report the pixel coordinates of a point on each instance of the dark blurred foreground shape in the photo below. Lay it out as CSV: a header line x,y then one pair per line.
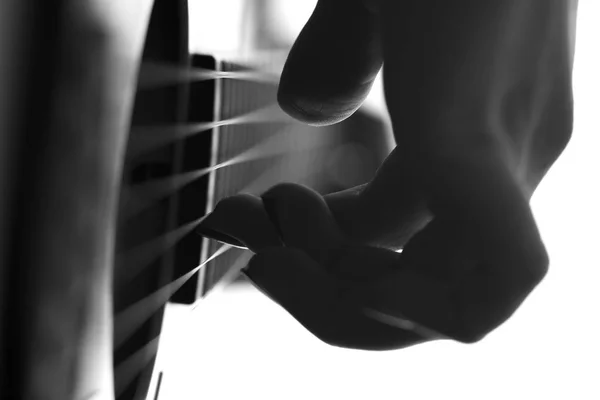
x,y
67,79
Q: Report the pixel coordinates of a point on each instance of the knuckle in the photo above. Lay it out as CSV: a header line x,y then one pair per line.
x,y
287,192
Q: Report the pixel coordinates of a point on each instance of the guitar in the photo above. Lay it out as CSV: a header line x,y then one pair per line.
x,y
73,227
89,219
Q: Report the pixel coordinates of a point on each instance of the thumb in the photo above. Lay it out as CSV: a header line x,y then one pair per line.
x,y
333,63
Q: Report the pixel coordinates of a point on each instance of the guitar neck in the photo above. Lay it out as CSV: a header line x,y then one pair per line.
x,y
274,148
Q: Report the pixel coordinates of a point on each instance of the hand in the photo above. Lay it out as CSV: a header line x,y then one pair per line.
x,y
479,115
480,98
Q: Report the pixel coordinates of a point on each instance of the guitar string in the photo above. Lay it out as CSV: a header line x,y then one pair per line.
x,y
154,75
146,138
143,309
132,262
132,365
127,321
127,370
233,272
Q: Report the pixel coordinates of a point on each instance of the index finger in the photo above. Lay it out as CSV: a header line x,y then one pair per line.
x,y
241,221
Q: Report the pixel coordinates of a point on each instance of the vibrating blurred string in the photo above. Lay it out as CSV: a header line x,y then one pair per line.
x,y
145,138
233,272
127,370
135,315
154,75
129,320
139,312
130,263
146,194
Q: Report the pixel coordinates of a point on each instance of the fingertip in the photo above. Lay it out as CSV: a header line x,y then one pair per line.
x,y
240,221
332,64
316,111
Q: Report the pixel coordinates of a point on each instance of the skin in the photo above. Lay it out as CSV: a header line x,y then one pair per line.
x,y
480,98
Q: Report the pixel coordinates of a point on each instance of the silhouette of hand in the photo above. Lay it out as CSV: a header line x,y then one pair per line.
x,y
480,99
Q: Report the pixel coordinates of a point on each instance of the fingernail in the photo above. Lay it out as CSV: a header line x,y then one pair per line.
x,y
204,229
